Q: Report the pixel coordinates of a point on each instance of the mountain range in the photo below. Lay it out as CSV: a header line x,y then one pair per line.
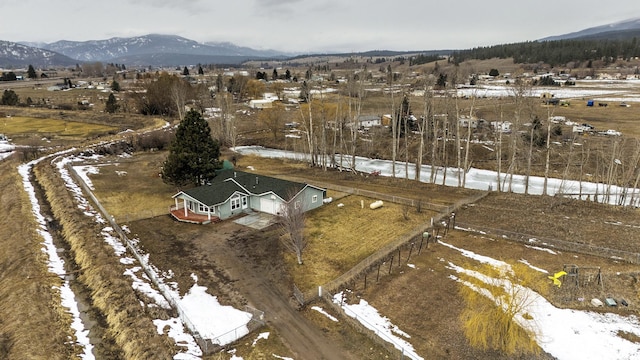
x,y
171,50
619,30
147,50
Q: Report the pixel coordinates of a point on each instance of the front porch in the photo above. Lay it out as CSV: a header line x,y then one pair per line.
x,y
190,217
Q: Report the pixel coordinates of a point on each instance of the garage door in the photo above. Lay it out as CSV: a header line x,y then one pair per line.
x,y
268,206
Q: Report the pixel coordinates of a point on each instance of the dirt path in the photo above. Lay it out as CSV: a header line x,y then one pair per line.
x,y
257,278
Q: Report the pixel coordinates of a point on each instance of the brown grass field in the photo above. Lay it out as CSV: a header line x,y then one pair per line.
x,y
30,310
408,296
22,127
148,195
421,300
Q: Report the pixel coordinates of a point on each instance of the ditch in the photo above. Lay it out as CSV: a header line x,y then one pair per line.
x,y
104,346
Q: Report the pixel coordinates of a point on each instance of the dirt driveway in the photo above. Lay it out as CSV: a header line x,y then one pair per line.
x,y
242,266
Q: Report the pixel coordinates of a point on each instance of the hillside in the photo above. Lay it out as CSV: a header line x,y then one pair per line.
x,y
18,55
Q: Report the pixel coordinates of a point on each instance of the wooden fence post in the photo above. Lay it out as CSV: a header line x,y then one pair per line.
x,y
410,250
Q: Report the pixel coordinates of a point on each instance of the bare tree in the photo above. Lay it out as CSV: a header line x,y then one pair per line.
x,y
273,119
355,95
394,123
423,124
179,93
292,225
546,164
467,163
307,124
634,170
520,90
223,123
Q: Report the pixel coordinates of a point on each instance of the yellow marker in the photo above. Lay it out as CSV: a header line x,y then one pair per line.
x,y
556,277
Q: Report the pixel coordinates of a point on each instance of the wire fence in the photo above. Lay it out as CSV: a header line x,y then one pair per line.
x,y
417,203
557,244
405,242
396,349
207,344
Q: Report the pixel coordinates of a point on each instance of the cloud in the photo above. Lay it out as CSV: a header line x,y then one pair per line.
x,y
277,2
189,6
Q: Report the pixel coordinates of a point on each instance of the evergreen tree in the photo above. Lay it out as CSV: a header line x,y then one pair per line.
x,y
31,73
185,71
9,76
200,71
10,98
287,74
111,105
193,154
442,80
274,75
115,86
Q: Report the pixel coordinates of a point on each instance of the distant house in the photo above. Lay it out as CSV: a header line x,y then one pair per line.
x,y
466,122
367,121
261,104
557,119
502,126
233,192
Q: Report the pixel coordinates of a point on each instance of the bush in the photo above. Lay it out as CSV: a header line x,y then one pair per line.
x,y
157,140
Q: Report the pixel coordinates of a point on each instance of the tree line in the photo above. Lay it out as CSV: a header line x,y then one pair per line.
x,y
555,53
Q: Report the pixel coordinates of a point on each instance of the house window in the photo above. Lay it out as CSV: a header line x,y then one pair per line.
x,y
314,198
297,205
203,208
235,203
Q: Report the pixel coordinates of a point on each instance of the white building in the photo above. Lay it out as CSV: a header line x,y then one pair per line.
x,y
502,126
261,104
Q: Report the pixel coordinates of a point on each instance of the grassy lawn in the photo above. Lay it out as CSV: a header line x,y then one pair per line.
x,y
20,127
131,189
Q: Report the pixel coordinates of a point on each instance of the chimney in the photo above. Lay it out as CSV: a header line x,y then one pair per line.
x,y
256,180
234,174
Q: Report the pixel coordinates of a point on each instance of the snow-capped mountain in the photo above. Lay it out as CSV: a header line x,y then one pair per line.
x,y
149,49
18,55
630,27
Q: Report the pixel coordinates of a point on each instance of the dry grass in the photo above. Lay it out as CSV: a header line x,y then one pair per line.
x,y
30,310
129,323
262,349
131,188
19,127
341,237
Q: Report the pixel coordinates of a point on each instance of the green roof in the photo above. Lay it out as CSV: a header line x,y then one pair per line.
x,y
227,182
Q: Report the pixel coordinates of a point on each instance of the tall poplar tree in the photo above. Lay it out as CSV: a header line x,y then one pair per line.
x,y
193,154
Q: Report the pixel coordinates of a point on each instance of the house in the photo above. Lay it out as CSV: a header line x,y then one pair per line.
x,y
261,104
502,126
368,121
466,122
233,192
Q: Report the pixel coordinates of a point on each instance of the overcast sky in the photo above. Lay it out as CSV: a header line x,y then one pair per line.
x,y
311,26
